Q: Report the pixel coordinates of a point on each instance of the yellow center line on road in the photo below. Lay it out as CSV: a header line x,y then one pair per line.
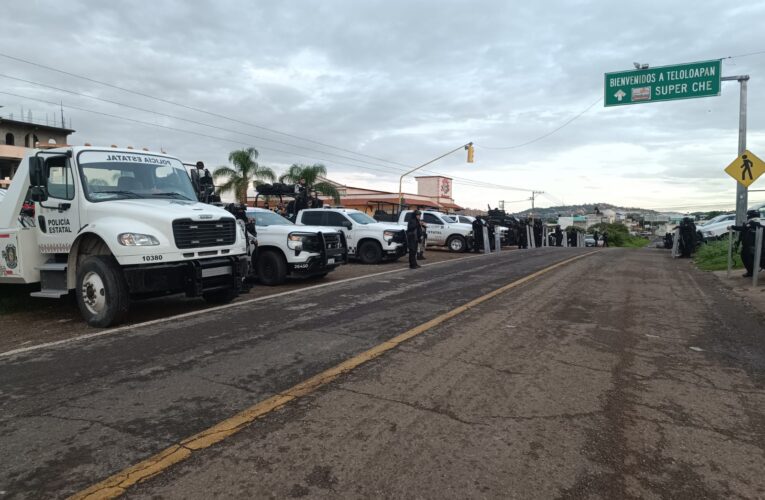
x,y
117,484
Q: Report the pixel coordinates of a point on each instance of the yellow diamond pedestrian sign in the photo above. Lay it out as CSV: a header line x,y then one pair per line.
x,y
746,168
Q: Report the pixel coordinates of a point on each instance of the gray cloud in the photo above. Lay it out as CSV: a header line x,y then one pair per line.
x,y
401,80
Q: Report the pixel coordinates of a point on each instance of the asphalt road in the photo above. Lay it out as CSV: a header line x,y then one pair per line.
x,y
49,320
73,414
622,375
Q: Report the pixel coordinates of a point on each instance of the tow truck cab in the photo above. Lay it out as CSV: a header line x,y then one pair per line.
x,y
116,225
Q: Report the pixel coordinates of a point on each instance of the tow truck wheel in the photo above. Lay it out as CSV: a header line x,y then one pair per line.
x,y
101,292
370,252
456,244
271,267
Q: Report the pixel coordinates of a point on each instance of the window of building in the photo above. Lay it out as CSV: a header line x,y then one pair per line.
x,y
9,139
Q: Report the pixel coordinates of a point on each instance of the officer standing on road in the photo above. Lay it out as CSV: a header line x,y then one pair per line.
x,y
605,238
558,236
477,235
422,242
747,241
413,235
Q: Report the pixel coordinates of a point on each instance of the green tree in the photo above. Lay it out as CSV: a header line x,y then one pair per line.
x,y
311,174
245,170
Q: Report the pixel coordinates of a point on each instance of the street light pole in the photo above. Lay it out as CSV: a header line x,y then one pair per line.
x,y
742,194
401,179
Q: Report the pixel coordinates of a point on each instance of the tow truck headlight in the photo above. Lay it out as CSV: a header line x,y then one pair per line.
x,y
137,240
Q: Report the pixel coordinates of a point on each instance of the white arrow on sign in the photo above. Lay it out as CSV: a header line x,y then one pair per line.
x,y
620,95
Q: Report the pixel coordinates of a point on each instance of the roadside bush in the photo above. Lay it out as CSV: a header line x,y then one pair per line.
x,y
618,235
714,257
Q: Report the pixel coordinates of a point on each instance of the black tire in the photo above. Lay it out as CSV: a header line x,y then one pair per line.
x,y
456,243
102,293
370,252
220,296
271,268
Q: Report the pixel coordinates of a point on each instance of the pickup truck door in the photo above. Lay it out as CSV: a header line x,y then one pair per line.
x,y
58,218
339,221
436,229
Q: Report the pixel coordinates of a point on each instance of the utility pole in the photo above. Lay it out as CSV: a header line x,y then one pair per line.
x,y
742,194
533,195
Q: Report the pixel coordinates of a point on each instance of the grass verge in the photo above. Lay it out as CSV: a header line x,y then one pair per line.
x,y
714,257
634,242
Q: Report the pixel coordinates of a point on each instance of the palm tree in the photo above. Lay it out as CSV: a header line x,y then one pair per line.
x,y
245,170
311,174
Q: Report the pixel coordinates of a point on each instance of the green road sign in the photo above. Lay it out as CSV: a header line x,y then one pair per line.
x,y
663,83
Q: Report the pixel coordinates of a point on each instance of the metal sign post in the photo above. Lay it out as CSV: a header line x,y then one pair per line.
x,y
730,251
741,191
757,256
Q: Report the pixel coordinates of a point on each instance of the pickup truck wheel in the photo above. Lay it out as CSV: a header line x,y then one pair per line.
x,y
220,296
456,243
370,252
102,293
271,267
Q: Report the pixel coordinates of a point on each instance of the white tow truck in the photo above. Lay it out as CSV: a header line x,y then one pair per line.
x,y
116,224
368,240
442,231
286,250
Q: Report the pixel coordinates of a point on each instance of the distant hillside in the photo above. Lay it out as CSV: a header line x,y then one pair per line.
x,y
587,208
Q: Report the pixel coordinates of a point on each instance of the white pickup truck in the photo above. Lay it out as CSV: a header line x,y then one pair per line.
x,y
442,231
286,250
368,240
114,225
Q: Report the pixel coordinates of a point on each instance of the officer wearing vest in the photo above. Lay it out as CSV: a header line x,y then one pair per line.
x,y
747,240
413,235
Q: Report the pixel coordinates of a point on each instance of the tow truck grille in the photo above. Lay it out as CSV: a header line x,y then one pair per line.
x,y
208,233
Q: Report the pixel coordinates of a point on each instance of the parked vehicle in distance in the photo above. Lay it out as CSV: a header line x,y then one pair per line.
x,y
716,219
468,219
286,250
717,229
442,231
368,240
589,241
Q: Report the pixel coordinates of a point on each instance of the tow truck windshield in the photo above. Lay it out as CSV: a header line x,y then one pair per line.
x,y
110,176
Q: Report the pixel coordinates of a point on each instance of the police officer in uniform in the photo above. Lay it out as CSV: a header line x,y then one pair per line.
x,y
413,235
477,235
206,187
747,241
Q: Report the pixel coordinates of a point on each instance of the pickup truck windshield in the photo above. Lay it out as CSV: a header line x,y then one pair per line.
x,y
362,218
113,175
263,219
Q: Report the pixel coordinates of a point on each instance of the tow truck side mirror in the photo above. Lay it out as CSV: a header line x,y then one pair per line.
x,y
347,224
38,179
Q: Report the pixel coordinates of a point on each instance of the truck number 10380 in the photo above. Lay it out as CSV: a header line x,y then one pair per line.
x,y
152,258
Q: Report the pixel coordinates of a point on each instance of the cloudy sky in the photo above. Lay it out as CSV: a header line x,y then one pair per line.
x,y
371,87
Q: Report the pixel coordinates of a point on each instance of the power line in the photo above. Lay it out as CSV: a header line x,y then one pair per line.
x,y
224,139
745,55
199,110
548,134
